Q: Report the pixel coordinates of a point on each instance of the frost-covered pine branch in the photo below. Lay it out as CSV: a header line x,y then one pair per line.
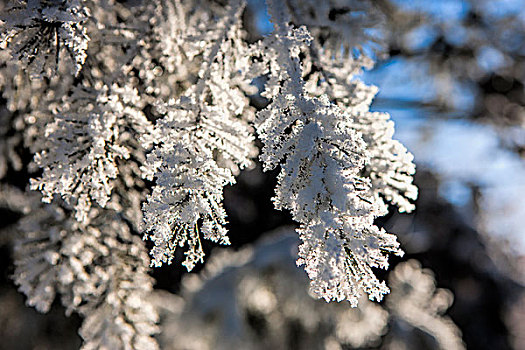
x,y
89,134
39,33
322,156
84,144
99,270
202,141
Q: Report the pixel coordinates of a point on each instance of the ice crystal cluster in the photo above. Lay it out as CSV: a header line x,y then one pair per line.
x,y
138,114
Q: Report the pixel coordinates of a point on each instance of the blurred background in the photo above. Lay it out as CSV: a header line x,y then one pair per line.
x,y
452,74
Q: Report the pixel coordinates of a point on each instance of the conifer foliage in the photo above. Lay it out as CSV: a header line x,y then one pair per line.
x,y
139,114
